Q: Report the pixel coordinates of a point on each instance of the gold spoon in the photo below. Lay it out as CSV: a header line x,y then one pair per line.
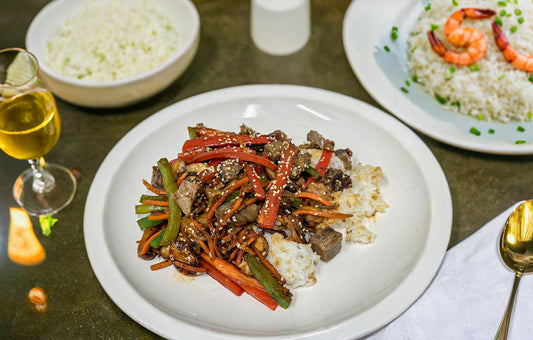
x,y
516,250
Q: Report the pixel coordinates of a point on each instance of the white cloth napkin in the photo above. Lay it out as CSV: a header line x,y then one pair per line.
x,y
468,297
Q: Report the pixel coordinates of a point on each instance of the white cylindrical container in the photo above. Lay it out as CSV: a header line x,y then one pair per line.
x,y
280,27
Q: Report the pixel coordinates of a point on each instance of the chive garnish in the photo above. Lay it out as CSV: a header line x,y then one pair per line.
x,y
501,77
440,99
452,69
520,142
475,131
386,48
498,21
520,128
414,49
480,116
404,89
428,7
474,67
455,3
530,78
434,27
394,33
514,29
415,78
517,12
407,83
503,12
491,131
520,20
502,3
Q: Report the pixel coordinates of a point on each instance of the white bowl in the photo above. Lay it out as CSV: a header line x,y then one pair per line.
x,y
116,93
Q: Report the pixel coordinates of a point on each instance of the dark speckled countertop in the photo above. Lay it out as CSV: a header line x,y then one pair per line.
x,y
481,185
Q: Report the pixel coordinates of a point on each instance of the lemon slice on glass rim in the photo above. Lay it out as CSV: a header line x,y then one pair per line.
x,y
20,72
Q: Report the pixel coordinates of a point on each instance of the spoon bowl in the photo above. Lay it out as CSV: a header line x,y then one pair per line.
x,y
516,250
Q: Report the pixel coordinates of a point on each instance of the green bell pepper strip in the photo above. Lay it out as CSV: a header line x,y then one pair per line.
x,y
145,197
174,211
145,222
148,208
263,275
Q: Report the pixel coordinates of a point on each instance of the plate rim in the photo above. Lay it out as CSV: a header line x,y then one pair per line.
x,y
425,268
368,72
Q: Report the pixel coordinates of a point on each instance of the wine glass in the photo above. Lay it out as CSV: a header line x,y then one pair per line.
x,y
29,128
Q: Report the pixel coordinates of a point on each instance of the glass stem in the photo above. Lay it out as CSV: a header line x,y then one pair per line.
x,y
43,181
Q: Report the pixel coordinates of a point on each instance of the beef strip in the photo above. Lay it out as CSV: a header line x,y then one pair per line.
x,y
337,180
187,193
345,155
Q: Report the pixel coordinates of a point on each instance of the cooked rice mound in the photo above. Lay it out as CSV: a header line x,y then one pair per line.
x,y
497,91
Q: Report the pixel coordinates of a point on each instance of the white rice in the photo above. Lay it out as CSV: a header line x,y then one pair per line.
x,y
112,39
296,262
497,91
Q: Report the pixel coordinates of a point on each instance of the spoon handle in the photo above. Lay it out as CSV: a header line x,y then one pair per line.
x,y
501,334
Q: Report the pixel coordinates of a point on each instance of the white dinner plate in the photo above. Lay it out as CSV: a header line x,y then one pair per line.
x,y
366,31
360,290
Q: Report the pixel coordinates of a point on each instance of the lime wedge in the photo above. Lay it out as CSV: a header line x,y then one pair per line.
x,y
21,70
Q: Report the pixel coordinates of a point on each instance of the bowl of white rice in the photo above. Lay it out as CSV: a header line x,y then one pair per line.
x,y
113,53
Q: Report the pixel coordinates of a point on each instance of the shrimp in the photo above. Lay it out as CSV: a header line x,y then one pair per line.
x,y
518,60
471,38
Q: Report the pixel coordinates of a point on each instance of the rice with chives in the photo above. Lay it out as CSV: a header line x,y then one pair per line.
x,y
112,40
492,89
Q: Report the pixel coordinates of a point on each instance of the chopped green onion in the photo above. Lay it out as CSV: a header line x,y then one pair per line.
x,y
501,77
475,131
474,67
456,103
491,131
529,115
480,116
440,99
404,89
415,78
394,33
448,79
502,3
428,7
455,3
517,12
499,21
386,48
530,78
452,69
520,142
520,128
434,27
414,49
502,13
514,29
407,83
314,173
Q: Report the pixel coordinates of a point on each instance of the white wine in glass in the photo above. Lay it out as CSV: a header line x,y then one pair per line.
x,y
29,128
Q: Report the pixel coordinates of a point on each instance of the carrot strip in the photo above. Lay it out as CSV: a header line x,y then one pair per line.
x,y
314,197
229,236
158,217
146,245
233,273
233,209
240,254
153,189
229,189
220,278
162,264
262,296
155,202
188,267
208,237
320,213
181,178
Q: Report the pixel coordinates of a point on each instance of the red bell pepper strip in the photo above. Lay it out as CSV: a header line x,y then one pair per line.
x,y
219,141
226,152
256,182
269,211
221,278
250,284
321,166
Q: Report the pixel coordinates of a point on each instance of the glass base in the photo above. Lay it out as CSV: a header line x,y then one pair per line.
x,y
50,201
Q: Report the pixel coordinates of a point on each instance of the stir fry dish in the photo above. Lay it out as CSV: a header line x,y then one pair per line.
x,y
255,212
